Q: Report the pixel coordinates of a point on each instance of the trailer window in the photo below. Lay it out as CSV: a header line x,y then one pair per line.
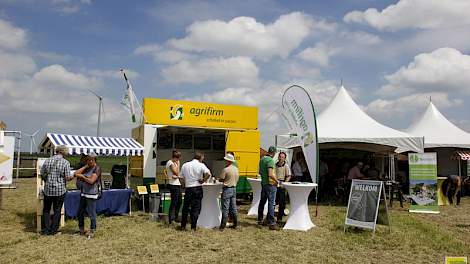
x,y
183,141
218,142
165,141
202,142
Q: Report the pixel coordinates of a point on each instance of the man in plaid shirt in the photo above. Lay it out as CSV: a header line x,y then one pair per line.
x,y
55,172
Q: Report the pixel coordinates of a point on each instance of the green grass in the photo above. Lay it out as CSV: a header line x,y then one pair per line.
x,y
415,238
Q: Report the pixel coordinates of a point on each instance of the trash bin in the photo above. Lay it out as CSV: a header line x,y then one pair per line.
x,y
154,205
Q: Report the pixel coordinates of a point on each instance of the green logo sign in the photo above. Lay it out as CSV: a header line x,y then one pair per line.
x,y
414,158
176,112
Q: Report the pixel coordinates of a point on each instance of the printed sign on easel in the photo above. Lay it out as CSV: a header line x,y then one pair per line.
x,y
363,205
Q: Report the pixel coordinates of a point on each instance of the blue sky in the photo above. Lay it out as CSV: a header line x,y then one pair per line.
x,y
391,55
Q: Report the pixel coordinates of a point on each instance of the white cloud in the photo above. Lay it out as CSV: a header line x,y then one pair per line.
x,y
53,57
296,70
161,54
15,65
56,75
233,70
408,106
114,74
247,37
360,37
11,37
320,54
267,98
444,69
69,6
419,14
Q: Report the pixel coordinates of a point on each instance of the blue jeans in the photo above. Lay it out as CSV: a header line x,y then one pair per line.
x,y
89,206
268,192
229,202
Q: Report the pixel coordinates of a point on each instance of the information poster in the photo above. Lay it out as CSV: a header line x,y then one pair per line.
x,y
7,151
423,182
363,205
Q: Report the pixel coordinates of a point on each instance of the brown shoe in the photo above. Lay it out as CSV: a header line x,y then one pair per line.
x,y
274,227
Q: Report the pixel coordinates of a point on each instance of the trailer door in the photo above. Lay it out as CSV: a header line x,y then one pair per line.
x,y
245,144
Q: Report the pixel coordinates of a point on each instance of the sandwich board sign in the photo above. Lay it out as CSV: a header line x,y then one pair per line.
x,y
363,205
7,151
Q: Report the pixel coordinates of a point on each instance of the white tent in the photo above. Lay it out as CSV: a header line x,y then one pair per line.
x,y
438,131
343,124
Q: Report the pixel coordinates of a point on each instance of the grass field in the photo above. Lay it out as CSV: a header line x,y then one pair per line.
x,y
415,238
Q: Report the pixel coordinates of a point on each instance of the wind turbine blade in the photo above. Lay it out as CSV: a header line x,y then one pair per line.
x,y
96,94
35,133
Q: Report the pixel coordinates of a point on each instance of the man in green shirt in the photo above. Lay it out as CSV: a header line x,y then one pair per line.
x,y
268,188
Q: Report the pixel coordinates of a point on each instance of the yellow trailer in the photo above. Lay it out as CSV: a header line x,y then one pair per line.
x,y
196,126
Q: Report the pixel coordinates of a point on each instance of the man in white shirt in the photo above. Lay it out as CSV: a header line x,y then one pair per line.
x,y
193,173
172,170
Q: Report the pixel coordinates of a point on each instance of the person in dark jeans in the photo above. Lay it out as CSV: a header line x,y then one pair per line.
x,y
89,180
172,170
193,173
283,174
55,172
269,184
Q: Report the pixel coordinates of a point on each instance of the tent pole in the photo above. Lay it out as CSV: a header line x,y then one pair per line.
x,y
127,183
18,159
460,161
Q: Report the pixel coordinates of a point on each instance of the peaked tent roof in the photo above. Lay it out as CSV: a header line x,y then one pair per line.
x,y
99,145
344,122
438,131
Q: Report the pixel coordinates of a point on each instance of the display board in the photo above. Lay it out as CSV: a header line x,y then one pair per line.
x,y
363,205
423,182
7,151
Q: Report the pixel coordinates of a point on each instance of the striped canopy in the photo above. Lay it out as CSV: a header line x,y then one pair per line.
x,y
99,145
461,155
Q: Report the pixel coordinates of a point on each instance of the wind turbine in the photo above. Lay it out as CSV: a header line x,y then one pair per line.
x,y
32,140
100,109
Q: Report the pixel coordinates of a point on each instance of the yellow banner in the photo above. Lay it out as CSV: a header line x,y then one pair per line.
x,y
199,114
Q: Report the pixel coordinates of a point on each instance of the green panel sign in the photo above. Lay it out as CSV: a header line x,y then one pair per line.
x,y
423,182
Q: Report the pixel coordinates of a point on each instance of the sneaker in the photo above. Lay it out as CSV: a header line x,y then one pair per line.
x,y
91,234
274,227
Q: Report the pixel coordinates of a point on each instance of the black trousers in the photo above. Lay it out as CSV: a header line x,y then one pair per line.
x,y
281,198
191,205
56,203
175,205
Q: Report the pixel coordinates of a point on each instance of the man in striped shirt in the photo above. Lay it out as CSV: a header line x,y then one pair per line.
x,y
55,172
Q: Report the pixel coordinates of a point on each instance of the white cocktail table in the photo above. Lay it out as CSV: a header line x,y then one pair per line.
x,y
210,211
299,216
256,188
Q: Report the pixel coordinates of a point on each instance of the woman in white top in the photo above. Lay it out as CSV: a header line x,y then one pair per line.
x,y
172,171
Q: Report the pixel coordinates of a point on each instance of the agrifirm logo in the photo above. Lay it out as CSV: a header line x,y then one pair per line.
x,y
414,158
176,112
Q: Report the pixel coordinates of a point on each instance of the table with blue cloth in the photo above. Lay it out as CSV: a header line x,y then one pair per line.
x,y
112,202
